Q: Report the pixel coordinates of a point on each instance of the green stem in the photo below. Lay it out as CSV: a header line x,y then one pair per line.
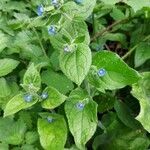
x,y
134,47
87,86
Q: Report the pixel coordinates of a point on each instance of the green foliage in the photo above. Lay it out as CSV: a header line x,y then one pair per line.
x,y
16,104
82,121
76,64
12,132
74,74
54,98
7,65
118,136
53,134
141,90
118,74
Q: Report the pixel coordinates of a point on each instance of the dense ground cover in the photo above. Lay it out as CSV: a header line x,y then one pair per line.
x,y
74,74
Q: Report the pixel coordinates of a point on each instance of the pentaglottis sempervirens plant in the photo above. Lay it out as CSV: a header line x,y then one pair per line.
x,y
74,75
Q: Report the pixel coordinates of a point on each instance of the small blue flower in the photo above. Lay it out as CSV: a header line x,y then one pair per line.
x,y
44,95
55,3
101,72
40,10
79,1
28,97
80,105
52,30
50,119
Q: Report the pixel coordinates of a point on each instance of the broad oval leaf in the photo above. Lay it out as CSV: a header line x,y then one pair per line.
x,y
141,91
117,73
75,65
31,79
4,88
16,104
4,41
7,65
52,78
80,10
53,135
82,119
55,98
142,54
12,132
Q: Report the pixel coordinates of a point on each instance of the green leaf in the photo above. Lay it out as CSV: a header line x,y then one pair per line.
x,y
118,73
105,102
138,4
4,41
32,79
110,2
27,118
80,39
57,80
4,146
76,64
142,54
116,37
31,137
84,10
125,115
53,135
14,88
27,147
72,148
120,137
140,91
55,98
16,104
117,14
135,4
12,132
69,32
7,65
4,88
82,121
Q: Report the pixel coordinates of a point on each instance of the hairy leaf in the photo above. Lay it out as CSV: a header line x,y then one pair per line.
x,y
76,64
53,134
7,65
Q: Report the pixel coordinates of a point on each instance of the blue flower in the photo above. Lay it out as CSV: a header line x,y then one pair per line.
x,y
40,10
101,72
52,30
55,3
28,97
80,106
79,1
50,119
44,95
